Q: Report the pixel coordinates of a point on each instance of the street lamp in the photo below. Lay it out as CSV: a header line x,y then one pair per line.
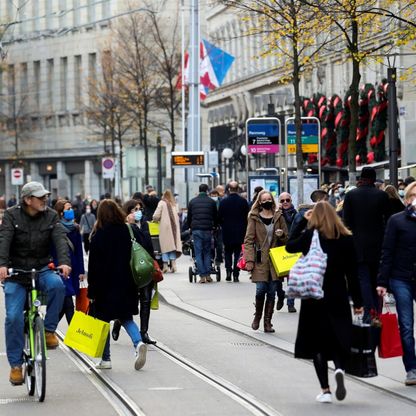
x,y
227,154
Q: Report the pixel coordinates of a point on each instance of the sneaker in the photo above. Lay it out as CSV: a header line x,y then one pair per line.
x,y
16,376
202,279
291,309
141,351
340,392
51,340
103,365
209,279
411,378
324,398
116,329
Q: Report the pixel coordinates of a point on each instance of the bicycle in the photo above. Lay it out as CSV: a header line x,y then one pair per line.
x,y
34,351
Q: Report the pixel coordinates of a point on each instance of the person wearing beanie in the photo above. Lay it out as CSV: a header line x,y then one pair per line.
x,y
366,210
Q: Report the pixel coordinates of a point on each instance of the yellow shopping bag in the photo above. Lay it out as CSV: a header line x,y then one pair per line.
x,y
153,228
282,260
154,304
87,334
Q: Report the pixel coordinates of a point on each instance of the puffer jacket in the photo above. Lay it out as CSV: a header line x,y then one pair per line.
x,y
202,213
256,238
26,242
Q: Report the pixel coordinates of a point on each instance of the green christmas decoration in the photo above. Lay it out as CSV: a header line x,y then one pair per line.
x,y
366,92
342,127
378,123
334,107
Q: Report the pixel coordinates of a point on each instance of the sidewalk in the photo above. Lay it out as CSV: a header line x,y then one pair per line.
x,y
231,305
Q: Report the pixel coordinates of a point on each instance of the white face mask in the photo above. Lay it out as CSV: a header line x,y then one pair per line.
x,y
87,210
215,198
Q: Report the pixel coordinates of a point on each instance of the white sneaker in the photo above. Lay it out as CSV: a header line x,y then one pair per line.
x,y
103,365
341,391
324,398
141,351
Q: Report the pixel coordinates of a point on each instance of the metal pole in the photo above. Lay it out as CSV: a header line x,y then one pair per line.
x,y
159,165
393,127
183,70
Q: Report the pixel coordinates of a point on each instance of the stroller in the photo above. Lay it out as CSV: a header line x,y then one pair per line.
x,y
188,249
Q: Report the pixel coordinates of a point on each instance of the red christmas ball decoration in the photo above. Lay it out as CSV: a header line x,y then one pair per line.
x,y
370,157
339,162
373,142
358,159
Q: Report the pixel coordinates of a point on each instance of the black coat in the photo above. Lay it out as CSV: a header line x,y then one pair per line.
x,y
366,210
325,325
110,282
395,206
232,215
398,259
202,213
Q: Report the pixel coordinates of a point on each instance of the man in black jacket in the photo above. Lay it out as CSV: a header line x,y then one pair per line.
x,y
366,209
202,219
232,214
26,235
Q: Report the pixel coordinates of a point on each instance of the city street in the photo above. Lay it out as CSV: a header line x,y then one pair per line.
x,y
208,361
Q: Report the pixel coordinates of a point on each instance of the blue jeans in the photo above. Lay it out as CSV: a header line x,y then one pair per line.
x,y
281,293
170,255
132,330
15,298
367,276
405,293
202,247
268,289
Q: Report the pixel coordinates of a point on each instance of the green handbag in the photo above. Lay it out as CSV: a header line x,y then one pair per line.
x,y
141,263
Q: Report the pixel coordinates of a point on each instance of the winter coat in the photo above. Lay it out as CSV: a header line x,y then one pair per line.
x,y
87,222
302,209
110,282
395,206
232,215
366,209
25,241
166,238
202,213
256,238
325,325
398,259
150,205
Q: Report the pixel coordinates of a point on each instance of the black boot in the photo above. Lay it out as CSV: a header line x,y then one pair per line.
x,y
236,274
259,311
228,277
116,329
145,300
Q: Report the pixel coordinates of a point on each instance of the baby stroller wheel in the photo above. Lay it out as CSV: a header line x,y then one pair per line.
x,y
218,273
191,275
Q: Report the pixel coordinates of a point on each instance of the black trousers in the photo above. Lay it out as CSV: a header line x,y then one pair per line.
x,y
86,240
229,252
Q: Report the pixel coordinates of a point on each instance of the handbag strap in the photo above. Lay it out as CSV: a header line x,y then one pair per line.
x,y
132,237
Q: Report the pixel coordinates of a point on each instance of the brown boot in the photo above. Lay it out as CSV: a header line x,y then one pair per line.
x,y
165,268
268,313
51,340
16,376
173,268
259,311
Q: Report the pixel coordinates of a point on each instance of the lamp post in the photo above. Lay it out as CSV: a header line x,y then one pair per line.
x,y
393,125
227,154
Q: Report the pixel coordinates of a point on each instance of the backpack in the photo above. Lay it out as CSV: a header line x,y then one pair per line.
x,y
141,262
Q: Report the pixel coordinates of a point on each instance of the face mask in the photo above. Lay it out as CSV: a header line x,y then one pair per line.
x,y
401,192
336,194
341,190
215,198
267,205
69,214
88,210
138,215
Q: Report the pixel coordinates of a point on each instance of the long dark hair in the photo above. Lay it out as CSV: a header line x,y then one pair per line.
x,y
108,213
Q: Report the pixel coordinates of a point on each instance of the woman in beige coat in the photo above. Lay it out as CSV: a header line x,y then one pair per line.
x,y
266,229
169,231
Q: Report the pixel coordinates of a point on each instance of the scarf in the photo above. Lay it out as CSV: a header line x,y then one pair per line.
x,y
172,219
289,214
69,225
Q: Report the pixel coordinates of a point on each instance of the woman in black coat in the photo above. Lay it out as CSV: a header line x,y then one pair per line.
x,y
111,286
325,325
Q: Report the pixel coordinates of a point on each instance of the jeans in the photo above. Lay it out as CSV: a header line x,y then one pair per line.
x,y
405,294
268,289
132,330
170,255
202,247
281,293
15,299
229,251
219,246
367,275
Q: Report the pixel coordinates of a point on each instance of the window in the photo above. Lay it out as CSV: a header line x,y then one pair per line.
x,y
77,80
35,15
64,83
91,11
92,74
77,13
63,16
48,13
11,90
23,88
36,80
105,9
50,82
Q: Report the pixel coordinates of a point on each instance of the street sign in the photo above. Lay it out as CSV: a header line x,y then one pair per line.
x,y
108,167
310,138
187,159
17,176
263,135
213,159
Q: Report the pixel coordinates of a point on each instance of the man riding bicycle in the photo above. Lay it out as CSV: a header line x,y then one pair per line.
x,y
27,233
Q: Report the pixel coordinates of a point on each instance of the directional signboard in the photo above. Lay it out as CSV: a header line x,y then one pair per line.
x,y
186,159
263,135
310,138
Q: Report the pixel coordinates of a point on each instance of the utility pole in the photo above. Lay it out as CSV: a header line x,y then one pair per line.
x,y
393,127
159,165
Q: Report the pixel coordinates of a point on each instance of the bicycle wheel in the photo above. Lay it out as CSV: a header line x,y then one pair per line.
x,y
40,359
28,366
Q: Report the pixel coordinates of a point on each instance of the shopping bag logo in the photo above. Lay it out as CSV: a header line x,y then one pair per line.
x,y
85,334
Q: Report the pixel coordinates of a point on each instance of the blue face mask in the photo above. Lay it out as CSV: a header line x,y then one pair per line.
x,y
138,215
69,214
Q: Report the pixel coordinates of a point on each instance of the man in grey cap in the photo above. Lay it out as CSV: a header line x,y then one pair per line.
x,y
27,233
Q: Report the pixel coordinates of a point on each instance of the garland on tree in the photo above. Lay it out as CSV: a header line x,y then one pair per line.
x,y
319,101
378,123
308,110
366,92
342,123
329,134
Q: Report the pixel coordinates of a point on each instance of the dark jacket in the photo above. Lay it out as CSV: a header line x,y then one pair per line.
x,y
26,242
202,213
150,205
325,325
366,209
232,215
302,209
110,282
398,259
395,205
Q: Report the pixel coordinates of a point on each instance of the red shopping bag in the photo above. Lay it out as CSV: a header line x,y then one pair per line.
x,y
390,342
81,301
241,264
